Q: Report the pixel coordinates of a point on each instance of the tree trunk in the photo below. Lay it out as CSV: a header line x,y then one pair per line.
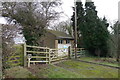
x,y
0,52
118,47
97,51
118,54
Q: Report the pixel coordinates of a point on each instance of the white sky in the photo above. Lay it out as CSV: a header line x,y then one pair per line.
x,y
107,8
2,20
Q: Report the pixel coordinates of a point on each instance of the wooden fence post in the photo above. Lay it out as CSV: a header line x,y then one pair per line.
x,y
29,57
46,55
49,57
29,62
25,57
69,52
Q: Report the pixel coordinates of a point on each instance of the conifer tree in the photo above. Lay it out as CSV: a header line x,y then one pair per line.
x,y
92,29
80,20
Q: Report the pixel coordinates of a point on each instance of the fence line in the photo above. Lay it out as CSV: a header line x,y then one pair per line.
x,y
14,60
71,52
41,55
36,54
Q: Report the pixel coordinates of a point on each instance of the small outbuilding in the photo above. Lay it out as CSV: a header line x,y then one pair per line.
x,y
56,39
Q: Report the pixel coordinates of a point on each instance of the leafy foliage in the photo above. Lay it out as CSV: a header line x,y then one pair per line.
x,y
33,16
80,21
9,32
114,41
91,29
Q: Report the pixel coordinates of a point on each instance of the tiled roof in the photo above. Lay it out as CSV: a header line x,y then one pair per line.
x,y
60,34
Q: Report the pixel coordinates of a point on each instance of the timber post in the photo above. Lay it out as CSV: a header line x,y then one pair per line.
x,y
69,52
28,62
46,55
25,57
29,57
1,52
49,57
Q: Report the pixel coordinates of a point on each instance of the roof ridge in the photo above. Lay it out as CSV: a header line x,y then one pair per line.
x,y
59,34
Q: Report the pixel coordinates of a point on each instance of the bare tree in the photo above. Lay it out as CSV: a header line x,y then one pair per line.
x,y
33,16
64,26
9,32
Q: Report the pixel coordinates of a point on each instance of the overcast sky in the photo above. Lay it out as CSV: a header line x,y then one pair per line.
x,y
107,8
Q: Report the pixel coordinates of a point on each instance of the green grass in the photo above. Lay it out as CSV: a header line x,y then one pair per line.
x,y
106,61
18,72
65,69
52,71
59,72
89,70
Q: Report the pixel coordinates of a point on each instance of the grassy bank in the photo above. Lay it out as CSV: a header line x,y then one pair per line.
x,y
18,72
106,61
87,70
65,69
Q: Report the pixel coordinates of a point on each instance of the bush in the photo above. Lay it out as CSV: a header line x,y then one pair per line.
x,y
13,56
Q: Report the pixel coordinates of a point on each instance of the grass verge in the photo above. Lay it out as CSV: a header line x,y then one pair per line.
x,y
106,61
64,69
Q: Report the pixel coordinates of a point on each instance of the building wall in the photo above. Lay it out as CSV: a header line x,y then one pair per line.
x,y
56,44
48,40
64,44
64,48
72,43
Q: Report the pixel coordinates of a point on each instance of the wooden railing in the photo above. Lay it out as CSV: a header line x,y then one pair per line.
x,y
14,60
35,54
71,52
55,54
